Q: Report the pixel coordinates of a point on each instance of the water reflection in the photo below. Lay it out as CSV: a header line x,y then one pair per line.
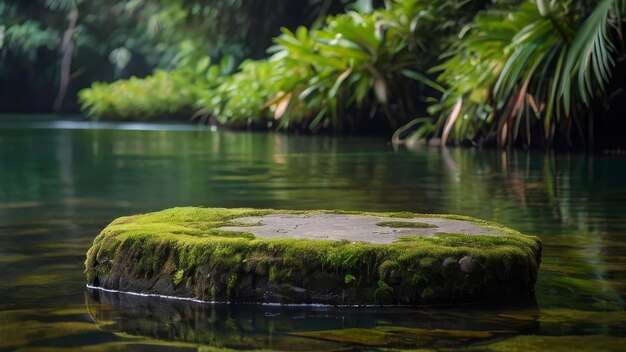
x,y
59,187
571,202
305,328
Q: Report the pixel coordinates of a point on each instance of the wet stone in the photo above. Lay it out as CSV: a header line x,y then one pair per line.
x,y
449,261
395,278
313,257
467,264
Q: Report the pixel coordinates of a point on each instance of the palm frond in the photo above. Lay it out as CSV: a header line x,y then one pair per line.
x,y
537,60
589,57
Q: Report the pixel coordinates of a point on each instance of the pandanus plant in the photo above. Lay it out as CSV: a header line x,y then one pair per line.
x,y
316,78
324,72
537,69
361,65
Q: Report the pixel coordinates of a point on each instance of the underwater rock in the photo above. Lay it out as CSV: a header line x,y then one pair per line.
x,y
306,257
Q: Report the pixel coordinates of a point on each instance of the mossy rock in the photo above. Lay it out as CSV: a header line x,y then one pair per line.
x,y
329,257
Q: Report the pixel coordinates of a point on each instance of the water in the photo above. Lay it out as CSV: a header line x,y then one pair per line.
x,y
61,183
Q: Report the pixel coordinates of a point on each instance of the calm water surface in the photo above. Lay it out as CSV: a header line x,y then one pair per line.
x,y
61,183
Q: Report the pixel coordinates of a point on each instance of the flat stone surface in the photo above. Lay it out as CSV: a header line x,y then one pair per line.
x,y
353,228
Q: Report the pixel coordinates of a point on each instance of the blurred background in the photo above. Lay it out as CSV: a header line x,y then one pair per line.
x,y
512,73
106,41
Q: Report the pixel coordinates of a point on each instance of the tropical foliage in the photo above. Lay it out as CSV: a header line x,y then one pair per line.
x,y
49,47
160,94
531,73
506,72
357,70
239,99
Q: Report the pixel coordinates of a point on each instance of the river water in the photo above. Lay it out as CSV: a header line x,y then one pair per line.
x,y
62,182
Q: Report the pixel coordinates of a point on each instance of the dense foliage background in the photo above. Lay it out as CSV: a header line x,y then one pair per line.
x,y
108,40
529,73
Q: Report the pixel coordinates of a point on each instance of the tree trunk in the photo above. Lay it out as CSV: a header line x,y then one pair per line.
x,y
67,47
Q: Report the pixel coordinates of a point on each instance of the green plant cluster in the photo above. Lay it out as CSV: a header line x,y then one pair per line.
x,y
164,94
238,99
345,74
52,46
160,94
503,72
531,71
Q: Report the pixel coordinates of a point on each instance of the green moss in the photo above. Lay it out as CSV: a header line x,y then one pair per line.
x,y
427,262
383,293
572,316
559,344
367,337
459,334
348,278
395,335
405,224
178,277
385,268
219,264
384,287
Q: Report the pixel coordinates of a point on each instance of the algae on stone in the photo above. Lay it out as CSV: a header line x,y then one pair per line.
x,y
405,224
397,336
532,343
182,252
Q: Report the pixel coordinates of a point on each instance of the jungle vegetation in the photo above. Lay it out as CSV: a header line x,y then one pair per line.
x,y
515,73
46,44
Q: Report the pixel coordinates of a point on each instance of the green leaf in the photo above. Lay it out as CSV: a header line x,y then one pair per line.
x,y
556,80
342,77
589,58
380,89
422,79
363,86
227,64
544,7
320,115
362,35
203,64
213,73
343,50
